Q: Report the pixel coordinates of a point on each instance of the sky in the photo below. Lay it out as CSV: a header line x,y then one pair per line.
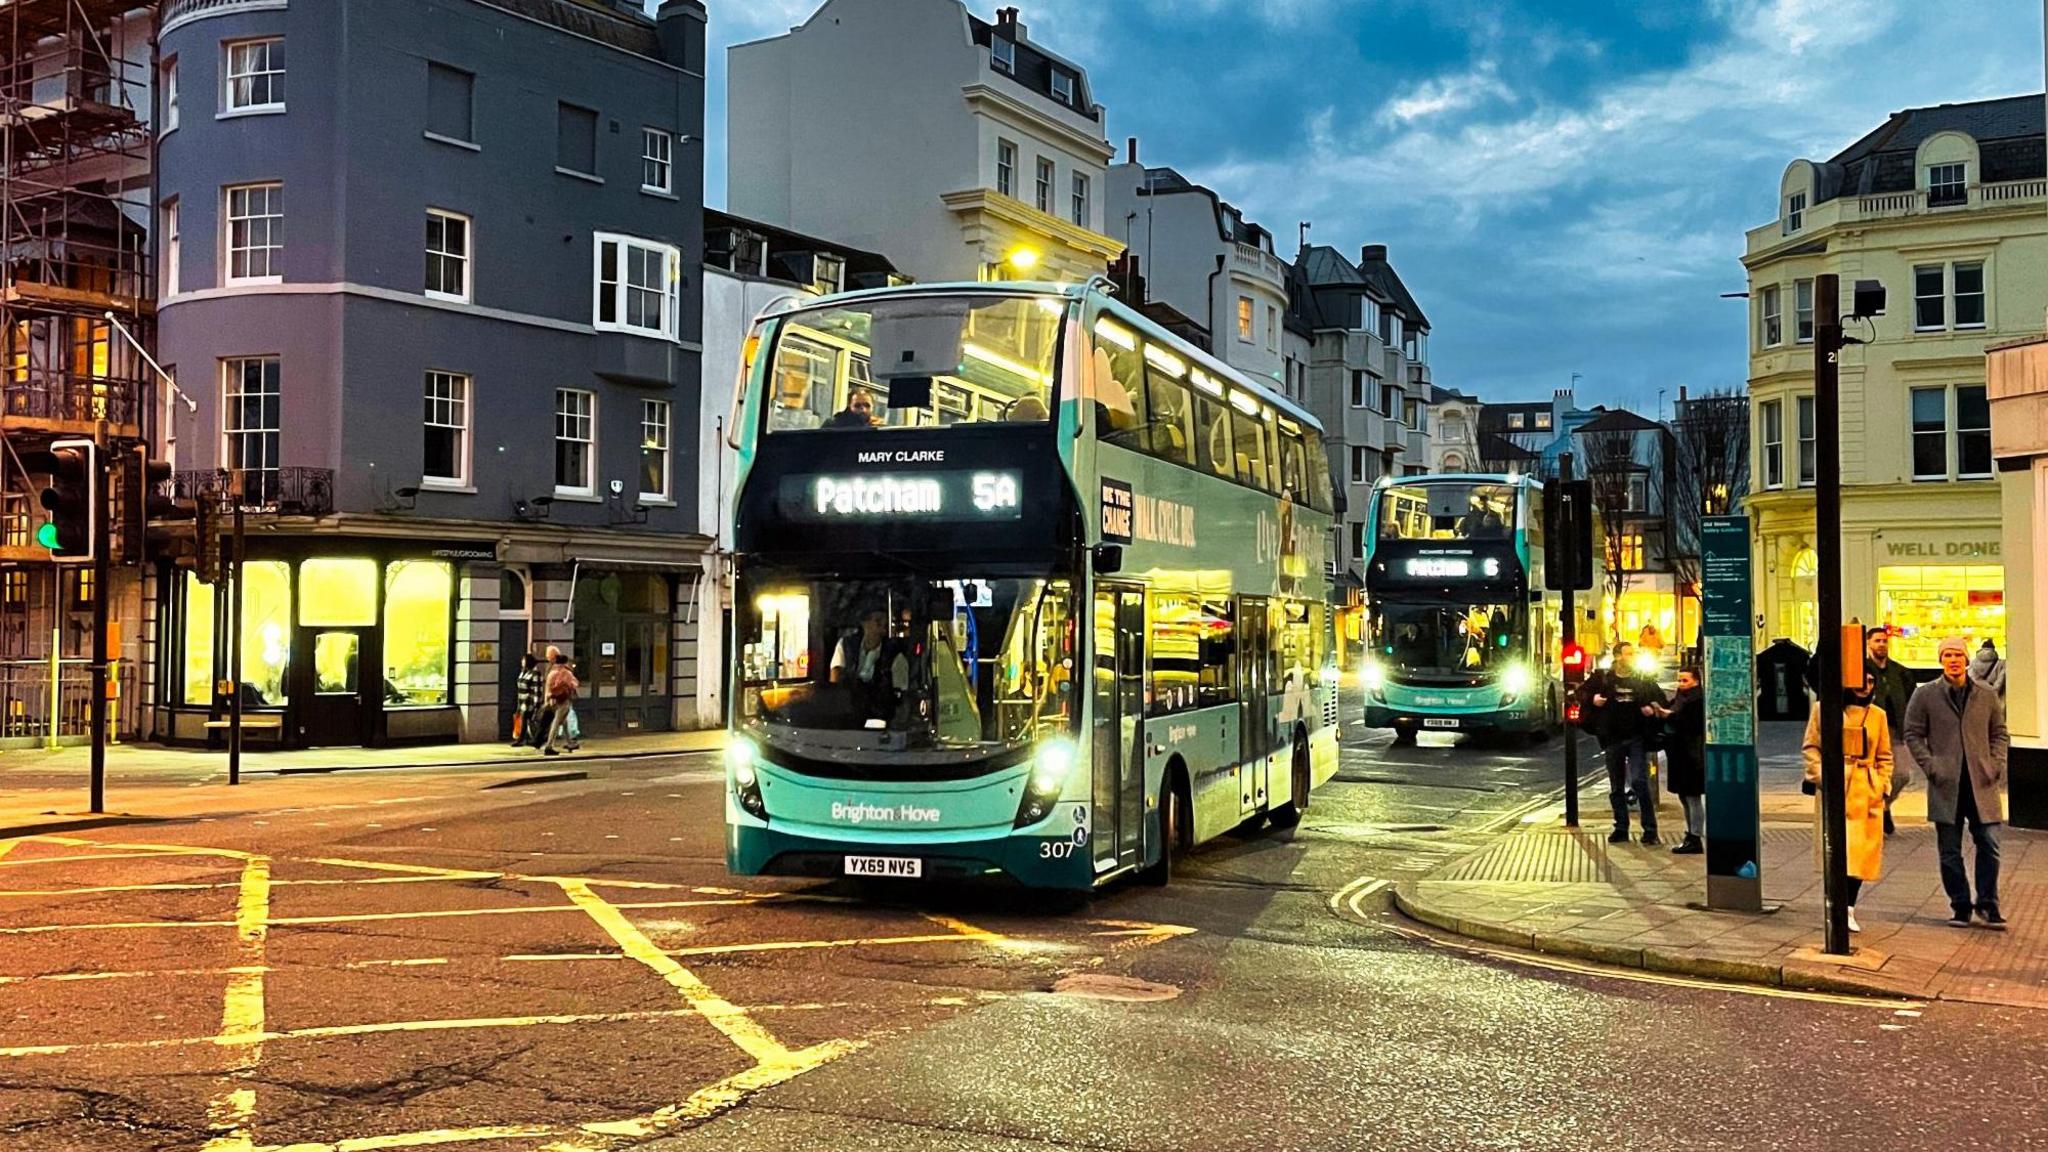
x,y
1563,184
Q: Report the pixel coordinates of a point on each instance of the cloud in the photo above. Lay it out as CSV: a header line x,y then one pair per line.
x,y
1444,94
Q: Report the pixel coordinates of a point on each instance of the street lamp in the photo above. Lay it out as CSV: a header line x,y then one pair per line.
x,y
1023,258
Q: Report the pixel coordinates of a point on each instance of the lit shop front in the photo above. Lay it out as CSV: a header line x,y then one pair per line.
x,y
1925,602
336,649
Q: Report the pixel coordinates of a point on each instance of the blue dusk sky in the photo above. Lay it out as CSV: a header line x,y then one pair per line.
x,y
1563,185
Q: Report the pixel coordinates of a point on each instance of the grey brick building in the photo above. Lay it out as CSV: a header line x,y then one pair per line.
x,y
431,273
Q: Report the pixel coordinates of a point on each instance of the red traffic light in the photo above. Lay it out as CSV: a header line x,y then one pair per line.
x,y
1571,712
1574,663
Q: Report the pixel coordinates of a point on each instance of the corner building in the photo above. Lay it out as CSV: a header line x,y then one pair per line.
x,y
1944,207
430,274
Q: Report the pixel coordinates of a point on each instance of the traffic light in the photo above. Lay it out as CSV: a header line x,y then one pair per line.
x,y
1568,535
72,501
1574,664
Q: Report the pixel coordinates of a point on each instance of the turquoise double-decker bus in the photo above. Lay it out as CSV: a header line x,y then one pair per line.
x,y
1024,586
1462,636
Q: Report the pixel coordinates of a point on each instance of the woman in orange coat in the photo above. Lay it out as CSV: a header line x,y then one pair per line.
x,y
1867,759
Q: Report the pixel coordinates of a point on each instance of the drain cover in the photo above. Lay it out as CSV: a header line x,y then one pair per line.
x,y
1098,986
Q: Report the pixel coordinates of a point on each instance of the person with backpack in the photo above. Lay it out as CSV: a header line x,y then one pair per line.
x,y
561,688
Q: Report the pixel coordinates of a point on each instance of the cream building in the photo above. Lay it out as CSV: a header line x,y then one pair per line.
x,y
2018,376
1944,207
964,149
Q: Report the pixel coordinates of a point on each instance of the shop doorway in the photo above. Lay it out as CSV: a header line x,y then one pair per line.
x,y
335,710
623,625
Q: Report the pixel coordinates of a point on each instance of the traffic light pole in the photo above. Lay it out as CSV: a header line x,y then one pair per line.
x,y
102,543
1571,636
235,641
1827,501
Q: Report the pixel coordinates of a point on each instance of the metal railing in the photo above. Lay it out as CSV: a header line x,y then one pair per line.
x,y
1917,201
177,12
278,491
25,694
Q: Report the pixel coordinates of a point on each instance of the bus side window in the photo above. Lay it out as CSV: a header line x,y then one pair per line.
x,y
1212,434
1117,385
1291,475
1219,653
804,377
1166,400
1318,466
1248,439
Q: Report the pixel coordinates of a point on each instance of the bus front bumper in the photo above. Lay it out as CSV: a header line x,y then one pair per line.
x,y
1443,720
1036,861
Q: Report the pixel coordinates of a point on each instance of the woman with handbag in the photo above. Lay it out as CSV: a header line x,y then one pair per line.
x,y
1867,767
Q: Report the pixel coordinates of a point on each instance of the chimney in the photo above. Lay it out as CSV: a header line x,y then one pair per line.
x,y
680,28
1008,24
1372,253
1131,150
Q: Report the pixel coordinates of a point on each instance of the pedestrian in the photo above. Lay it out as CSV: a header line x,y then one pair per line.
x,y
527,701
1622,706
1867,780
1987,665
1956,729
1895,683
561,693
1685,758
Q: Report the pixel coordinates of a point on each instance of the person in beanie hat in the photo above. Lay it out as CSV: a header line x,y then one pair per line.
x,y
1956,729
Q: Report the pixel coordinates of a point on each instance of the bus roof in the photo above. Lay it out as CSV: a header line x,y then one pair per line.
x,y
1099,287
1520,478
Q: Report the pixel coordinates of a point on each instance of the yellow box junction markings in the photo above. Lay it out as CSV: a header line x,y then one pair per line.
x,y
231,1112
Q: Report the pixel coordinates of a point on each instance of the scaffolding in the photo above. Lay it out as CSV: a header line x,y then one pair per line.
x,y
76,209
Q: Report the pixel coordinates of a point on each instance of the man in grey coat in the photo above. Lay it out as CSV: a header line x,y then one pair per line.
x,y
1955,727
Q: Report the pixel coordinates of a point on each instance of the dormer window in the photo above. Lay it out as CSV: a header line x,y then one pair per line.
x,y
1062,87
749,252
828,274
1003,54
1945,184
1795,212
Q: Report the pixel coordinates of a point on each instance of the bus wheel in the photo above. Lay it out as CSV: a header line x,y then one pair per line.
x,y
1404,734
1289,814
1176,830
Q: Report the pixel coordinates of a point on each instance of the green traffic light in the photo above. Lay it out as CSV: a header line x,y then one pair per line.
x,y
47,536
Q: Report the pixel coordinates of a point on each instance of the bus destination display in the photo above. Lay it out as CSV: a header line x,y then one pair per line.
x,y
935,496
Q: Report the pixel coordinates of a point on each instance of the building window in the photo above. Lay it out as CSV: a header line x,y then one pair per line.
x,y
1973,432
170,89
656,166
1930,308
255,240
654,450
575,442
1945,185
1808,448
1006,168
1802,311
447,256
1062,86
636,285
1358,465
1080,204
1795,212
1968,282
1244,319
828,274
1002,54
266,628
1515,421
417,629
1542,421
1359,389
1357,541
1272,328
451,103
255,76
1638,486
173,249
251,416
1773,325
575,140
446,459
1631,551
1045,178
1771,414
1930,433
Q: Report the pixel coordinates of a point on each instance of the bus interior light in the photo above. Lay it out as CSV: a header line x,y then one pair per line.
x,y
1244,402
1208,383
1117,335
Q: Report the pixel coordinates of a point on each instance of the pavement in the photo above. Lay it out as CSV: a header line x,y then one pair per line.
x,y
1569,893
49,790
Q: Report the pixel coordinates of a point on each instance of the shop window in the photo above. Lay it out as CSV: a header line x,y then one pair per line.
x,y
199,634
337,593
266,636
417,628
1924,603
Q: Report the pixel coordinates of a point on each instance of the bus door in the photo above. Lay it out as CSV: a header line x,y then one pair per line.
x,y
1254,695
1118,750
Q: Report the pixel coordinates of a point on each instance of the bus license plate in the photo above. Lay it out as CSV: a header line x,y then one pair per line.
x,y
1440,722
894,867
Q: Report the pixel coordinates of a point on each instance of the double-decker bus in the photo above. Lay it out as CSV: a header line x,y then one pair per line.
x,y
1462,634
1023,585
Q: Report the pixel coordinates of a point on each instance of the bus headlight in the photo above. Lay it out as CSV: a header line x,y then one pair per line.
x,y
1045,781
1516,680
740,758
1375,675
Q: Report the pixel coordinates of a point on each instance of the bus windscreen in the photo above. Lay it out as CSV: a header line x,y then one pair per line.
x,y
1434,638
1447,511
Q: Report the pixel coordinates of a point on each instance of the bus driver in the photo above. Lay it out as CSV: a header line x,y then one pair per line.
x,y
872,665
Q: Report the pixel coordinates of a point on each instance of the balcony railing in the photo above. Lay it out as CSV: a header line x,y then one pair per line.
x,y
179,11
1917,201
62,398
271,491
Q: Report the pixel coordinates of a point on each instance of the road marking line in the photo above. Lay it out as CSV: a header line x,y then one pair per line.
x,y
78,859
736,1025
7,846
965,929
242,1013
762,946
422,1139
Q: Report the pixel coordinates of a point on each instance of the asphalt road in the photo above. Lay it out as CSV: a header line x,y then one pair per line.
x,y
565,966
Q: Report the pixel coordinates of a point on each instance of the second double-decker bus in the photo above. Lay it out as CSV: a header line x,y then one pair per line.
x,y
1461,634
1024,586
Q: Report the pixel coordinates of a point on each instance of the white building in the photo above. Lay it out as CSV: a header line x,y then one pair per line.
x,y
1196,252
1454,440
747,266
962,148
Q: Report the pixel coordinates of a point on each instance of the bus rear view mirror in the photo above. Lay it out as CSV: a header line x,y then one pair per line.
x,y
1109,559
